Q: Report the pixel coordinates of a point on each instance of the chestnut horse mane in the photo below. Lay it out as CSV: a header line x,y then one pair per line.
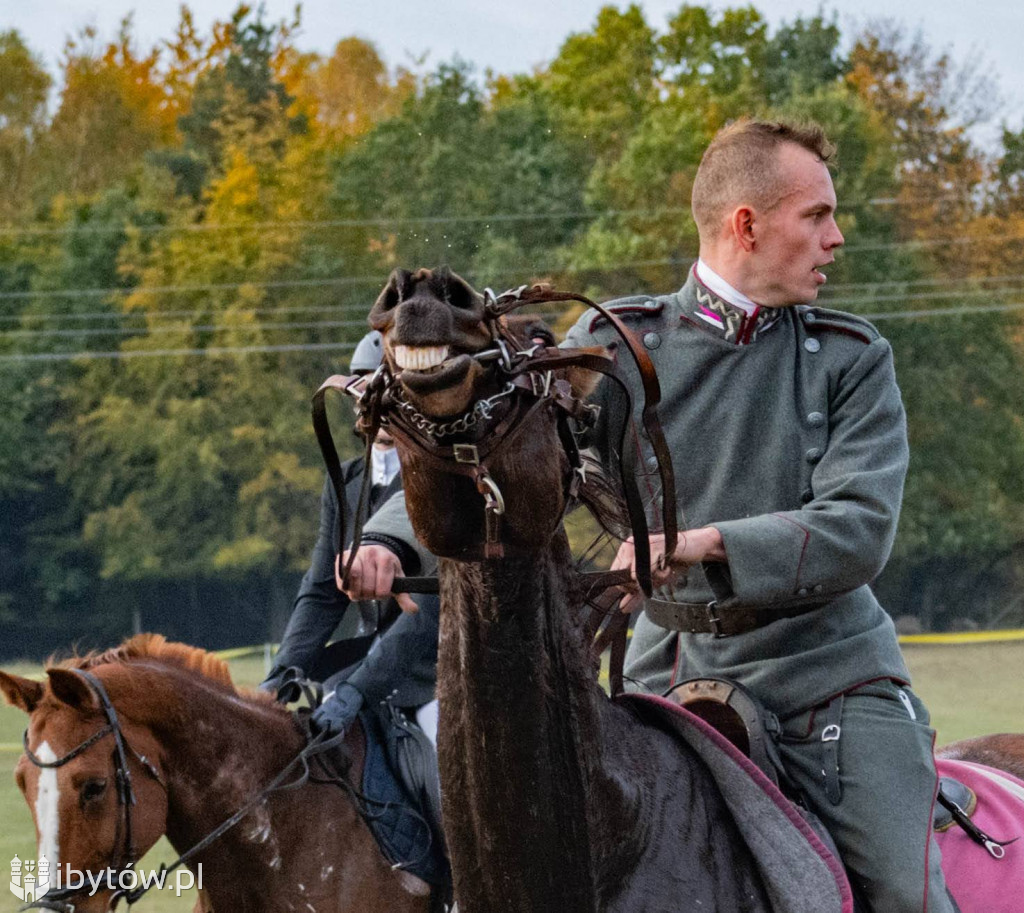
x,y
159,648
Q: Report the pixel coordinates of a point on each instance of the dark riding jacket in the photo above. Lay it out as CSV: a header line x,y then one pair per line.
x,y
403,661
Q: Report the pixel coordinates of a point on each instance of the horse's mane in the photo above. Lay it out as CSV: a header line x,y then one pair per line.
x,y
159,648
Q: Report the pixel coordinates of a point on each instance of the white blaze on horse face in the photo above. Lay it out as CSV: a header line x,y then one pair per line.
x,y
48,806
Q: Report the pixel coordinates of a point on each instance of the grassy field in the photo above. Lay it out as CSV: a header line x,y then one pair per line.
x,y
970,690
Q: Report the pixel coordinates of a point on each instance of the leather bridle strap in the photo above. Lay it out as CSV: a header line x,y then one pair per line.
x,y
539,294
57,900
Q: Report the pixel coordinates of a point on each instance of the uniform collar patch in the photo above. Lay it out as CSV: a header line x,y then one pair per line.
x,y
710,312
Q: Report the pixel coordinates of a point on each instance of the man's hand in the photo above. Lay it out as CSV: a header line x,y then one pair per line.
x,y
692,547
282,682
338,711
372,574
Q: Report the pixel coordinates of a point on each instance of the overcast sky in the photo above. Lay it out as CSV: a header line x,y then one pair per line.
x,y
515,35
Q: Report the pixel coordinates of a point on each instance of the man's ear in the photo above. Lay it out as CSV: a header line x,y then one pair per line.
x,y
71,689
582,380
19,692
742,224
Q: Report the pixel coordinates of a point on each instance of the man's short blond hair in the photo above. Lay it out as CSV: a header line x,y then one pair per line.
x,y
741,167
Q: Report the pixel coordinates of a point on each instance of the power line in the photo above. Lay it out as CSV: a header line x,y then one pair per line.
x,y
173,353
359,308
196,287
347,346
501,217
198,328
946,312
526,269
919,296
79,332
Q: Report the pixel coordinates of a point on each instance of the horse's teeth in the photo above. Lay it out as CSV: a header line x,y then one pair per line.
x,y
420,358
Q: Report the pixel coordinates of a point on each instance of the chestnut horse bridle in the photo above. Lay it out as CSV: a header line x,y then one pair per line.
x,y
59,899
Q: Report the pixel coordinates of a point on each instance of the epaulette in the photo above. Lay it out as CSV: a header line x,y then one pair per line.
x,y
819,318
635,306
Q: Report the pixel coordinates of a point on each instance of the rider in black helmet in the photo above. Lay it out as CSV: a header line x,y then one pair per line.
x,y
393,654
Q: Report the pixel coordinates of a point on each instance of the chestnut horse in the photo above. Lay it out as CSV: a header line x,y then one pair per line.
x,y
1003,751
555,799
197,749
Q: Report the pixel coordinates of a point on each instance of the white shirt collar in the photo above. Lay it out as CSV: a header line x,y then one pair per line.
x,y
724,291
385,465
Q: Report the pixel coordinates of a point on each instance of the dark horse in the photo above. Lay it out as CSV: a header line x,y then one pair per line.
x,y
555,798
207,749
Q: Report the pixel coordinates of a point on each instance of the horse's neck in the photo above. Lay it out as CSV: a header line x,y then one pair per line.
x,y
519,734
220,749
305,847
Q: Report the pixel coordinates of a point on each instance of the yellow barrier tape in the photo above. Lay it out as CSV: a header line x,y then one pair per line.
x,y
241,652
964,637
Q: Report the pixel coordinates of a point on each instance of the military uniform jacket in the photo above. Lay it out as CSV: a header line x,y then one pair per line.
x,y
787,434
404,659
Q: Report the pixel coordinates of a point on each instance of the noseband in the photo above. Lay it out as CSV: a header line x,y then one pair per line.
x,y
529,382
59,899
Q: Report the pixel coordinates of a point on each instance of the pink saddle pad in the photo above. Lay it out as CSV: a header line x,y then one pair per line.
x,y
979,882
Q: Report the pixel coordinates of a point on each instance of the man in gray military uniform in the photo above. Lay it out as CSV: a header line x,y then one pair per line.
x,y
788,439
789,444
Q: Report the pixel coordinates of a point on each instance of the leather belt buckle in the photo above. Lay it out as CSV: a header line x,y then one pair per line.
x,y
714,619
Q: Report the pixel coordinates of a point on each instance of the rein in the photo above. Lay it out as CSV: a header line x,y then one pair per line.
x,y
530,373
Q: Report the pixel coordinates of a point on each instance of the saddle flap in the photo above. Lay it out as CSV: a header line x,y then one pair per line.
x,y
800,871
401,815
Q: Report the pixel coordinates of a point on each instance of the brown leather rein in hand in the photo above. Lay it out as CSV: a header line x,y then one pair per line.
x,y
529,375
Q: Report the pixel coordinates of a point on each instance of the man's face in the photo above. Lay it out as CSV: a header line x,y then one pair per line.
x,y
798,236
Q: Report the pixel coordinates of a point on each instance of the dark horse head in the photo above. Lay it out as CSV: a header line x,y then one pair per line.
x,y
436,330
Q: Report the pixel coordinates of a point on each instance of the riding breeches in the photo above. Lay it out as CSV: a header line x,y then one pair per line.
x,y
865,765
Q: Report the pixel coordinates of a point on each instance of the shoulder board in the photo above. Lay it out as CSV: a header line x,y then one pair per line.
x,y
636,306
818,318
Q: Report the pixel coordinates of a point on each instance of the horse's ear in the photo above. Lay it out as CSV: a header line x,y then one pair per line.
x,y
458,292
20,692
72,689
388,299
582,380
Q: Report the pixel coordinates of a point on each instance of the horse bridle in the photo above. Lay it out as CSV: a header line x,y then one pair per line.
x,y
530,374
59,899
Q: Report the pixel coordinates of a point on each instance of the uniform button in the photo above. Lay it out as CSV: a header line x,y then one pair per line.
x,y
812,344
815,419
819,589
802,591
807,496
810,317
652,462
652,340
813,455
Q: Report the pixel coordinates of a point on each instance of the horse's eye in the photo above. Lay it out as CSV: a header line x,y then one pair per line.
x,y
91,790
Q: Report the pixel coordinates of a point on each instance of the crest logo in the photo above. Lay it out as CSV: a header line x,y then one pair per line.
x,y
30,880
